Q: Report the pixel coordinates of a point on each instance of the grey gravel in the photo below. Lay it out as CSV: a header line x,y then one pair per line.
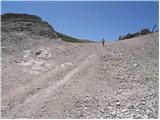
x,y
86,80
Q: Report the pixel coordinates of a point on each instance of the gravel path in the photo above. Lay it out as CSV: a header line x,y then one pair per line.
x,y
83,80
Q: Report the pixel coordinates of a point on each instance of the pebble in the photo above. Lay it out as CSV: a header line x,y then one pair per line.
x,y
143,101
131,107
113,113
117,100
124,110
135,65
62,66
38,52
117,103
118,92
17,61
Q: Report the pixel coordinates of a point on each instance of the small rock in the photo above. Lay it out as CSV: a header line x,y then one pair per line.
x,y
118,92
62,66
49,55
113,112
150,115
131,68
68,64
143,102
38,52
117,100
17,61
38,88
135,65
109,104
117,103
131,107
124,110
27,53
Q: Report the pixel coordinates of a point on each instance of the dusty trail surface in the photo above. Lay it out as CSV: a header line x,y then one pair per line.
x,y
85,80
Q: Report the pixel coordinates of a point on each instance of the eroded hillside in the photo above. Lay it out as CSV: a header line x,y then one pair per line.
x,y
44,77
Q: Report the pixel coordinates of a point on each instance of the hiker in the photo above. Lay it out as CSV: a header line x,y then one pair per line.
x,y
103,41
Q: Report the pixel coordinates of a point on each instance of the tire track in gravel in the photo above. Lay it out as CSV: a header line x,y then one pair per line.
x,y
19,94
40,97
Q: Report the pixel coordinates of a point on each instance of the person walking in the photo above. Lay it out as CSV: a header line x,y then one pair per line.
x,y
103,42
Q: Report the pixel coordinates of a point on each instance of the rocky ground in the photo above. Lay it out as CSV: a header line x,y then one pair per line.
x,y
85,80
45,77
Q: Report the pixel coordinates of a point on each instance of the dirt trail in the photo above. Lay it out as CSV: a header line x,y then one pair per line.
x,y
119,80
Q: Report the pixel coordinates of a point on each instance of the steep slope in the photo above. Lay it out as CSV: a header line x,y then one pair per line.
x,y
32,24
30,60
24,31
28,34
44,77
119,80
20,26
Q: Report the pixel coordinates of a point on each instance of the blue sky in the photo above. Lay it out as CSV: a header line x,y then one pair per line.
x,y
91,20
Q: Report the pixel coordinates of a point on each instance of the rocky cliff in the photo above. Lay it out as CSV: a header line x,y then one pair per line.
x,y
31,24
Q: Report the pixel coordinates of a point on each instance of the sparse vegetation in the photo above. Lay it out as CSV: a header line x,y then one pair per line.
x,y
144,31
67,38
42,75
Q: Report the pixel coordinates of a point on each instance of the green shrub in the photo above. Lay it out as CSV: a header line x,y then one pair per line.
x,y
67,38
129,35
145,31
132,35
136,34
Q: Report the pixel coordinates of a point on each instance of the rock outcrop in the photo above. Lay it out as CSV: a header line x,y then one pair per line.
x,y
32,24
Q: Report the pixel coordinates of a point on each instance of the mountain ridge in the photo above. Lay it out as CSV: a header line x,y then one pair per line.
x,y
33,24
